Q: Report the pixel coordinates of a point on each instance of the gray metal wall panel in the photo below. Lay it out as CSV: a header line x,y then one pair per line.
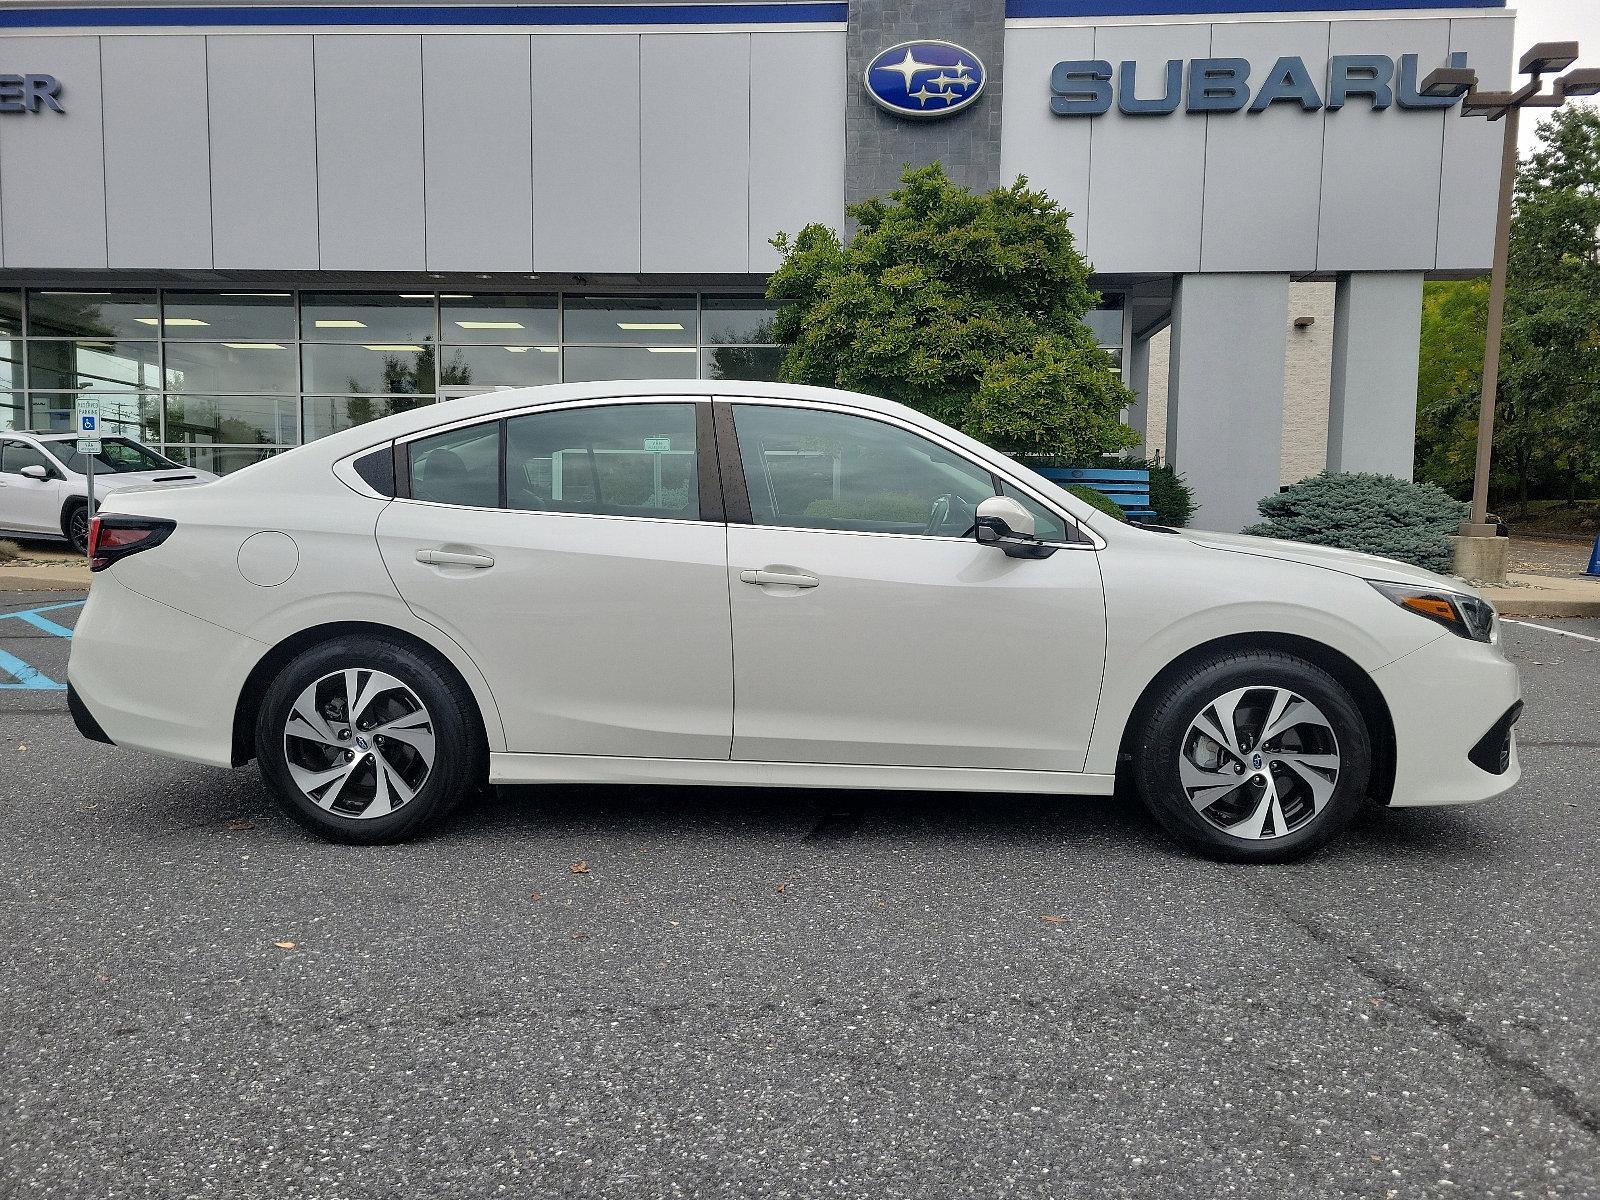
x,y
158,203
1468,190
52,167
1380,170
478,149
586,152
263,152
1145,193
1054,152
1263,170
695,160
796,141
369,152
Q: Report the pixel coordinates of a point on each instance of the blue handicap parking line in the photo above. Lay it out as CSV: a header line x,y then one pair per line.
x,y
28,677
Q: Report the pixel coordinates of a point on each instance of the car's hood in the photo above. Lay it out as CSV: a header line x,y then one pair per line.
x,y
1349,562
123,481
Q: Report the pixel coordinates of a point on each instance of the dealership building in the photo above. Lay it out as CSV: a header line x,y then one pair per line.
x,y
244,225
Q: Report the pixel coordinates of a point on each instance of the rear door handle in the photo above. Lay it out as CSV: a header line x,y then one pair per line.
x,y
786,578
453,558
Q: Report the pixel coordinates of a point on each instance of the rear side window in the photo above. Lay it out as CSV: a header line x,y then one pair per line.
x,y
459,466
16,455
622,460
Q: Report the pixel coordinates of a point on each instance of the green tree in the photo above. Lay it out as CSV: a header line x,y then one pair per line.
x,y
966,307
1547,415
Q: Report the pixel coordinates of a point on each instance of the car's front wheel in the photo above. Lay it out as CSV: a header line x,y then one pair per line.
x,y
1253,756
76,527
365,740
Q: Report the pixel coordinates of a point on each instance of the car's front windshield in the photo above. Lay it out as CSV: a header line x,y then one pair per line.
x,y
117,456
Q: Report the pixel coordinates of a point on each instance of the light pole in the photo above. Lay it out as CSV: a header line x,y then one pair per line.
x,y
1479,553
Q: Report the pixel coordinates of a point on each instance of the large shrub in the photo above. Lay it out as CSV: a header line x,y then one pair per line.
x,y
1170,497
966,307
1376,514
1097,500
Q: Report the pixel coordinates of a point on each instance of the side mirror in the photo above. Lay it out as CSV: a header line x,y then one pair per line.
x,y
34,471
1003,522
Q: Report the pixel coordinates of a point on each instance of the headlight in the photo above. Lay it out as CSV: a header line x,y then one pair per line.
x,y
1464,616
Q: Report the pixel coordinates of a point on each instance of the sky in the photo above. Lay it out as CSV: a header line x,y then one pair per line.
x,y
1555,21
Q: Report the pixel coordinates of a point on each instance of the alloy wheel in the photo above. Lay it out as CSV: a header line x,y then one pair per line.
x,y
78,529
1259,762
359,743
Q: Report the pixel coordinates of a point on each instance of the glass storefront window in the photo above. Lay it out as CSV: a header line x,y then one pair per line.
x,y
367,317
228,316
92,314
503,320
501,366
231,367
13,411
132,415
329,414
740,320
404,368
1106,321
11,312
221,460
233,420
742,362
93,366
586,363
630,321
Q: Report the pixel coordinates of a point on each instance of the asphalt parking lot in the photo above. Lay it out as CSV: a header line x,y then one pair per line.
x,y
787,993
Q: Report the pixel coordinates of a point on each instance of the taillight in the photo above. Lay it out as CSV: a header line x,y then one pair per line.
x,y
116,536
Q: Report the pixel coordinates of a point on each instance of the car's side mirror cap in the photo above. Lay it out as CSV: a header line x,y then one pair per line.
x,y
1003,522
34,471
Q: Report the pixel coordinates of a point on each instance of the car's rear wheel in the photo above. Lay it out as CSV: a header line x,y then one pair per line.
x,y
76,527
1253,756
364,740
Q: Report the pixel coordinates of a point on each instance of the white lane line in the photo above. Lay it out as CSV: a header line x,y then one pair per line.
x,y
1583,637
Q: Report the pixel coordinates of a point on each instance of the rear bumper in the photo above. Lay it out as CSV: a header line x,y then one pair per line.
x,y
149,677
83,719
1454,703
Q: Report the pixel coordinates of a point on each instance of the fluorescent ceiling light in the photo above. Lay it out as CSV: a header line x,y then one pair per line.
x,y
517,349
416,295
548,350
252,345
341,324
395,349
490,324
187,321
274,295
671,349
455,296
650,325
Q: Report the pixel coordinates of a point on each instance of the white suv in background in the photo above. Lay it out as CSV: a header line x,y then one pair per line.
x,y
44,492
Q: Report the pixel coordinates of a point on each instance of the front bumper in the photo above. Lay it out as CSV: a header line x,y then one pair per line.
x,y
1454,703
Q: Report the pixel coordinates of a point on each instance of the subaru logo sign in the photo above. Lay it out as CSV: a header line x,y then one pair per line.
x,y
925,79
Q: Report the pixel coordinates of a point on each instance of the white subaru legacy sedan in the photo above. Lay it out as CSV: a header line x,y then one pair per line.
x,y
762,584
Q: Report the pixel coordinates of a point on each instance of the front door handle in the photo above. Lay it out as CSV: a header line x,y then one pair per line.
x,y
786,578
453,558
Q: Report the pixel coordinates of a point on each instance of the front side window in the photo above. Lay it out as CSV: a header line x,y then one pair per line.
x,y
623,460
812,469
16,455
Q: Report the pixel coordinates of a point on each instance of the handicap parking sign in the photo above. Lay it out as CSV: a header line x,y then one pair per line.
x,y
88,425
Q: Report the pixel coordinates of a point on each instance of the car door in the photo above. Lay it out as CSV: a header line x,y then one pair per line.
x,y
578,554
869,627
28,505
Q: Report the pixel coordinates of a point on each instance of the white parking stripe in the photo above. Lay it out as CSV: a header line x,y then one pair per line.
x,y
1550,629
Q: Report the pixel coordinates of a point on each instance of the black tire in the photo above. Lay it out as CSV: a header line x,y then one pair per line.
x,y
1156,747
460,756
75,526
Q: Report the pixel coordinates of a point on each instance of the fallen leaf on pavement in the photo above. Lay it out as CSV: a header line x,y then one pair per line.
x,y
782,887
578,935
238,825
1054,920
284,945
579,868
536,896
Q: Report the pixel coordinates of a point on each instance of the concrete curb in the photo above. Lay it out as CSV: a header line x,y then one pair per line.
x,y
44,579
1546,596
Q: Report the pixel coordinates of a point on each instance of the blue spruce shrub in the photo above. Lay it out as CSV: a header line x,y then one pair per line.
x,y
1375,514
